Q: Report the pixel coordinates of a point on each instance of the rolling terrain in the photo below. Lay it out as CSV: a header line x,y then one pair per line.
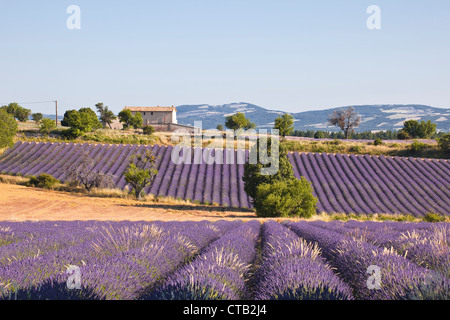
x,y
374,117
343,183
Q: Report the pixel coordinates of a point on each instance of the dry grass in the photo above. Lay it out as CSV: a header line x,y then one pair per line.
x,y
15,180
353,147
21,203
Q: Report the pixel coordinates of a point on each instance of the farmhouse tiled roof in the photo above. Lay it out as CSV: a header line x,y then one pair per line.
x,y
143,109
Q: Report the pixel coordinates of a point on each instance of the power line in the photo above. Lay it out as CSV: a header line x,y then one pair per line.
x,y
30,102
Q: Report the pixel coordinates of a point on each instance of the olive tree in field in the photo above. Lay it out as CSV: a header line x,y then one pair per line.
x,y
346,119
141,172
83,173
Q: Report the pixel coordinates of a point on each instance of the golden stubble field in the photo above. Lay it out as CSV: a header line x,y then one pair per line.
x,y
19,203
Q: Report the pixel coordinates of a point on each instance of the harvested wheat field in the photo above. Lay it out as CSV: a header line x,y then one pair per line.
x,y
19,203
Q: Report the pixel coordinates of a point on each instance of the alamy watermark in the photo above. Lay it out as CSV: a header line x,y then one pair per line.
x,y
73,22
74,279
374,281
228,147
374,20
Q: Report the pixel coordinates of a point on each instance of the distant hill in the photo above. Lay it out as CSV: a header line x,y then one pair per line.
x,y
374,117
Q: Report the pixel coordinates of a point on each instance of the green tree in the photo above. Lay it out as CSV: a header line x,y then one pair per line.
x,y
47,125
12,108
18,112
22,114
285,199
126,117
280,194
84,120
319,135
219,127
137,121
419,130
8,129
106,115
238,121
252,171
141,172
284,124
37,117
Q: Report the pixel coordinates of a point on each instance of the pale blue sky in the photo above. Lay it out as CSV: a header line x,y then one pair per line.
x,y
280,54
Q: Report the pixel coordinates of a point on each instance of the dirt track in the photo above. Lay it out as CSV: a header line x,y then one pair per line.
x,y
18,203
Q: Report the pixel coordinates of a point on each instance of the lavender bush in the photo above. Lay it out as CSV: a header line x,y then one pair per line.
x,y
218,273
293,269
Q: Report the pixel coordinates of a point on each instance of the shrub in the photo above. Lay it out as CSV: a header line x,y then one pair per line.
x,y
403,135
444,143
71,134
285,199
377,142
318,149
47,125
357,149
417,146
97,137
44,180
335,142
433,217
149,130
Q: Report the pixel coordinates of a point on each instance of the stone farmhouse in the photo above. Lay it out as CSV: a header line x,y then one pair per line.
x,y
161,118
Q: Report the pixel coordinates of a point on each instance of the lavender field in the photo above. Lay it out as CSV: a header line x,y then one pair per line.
x,y
342,183
224,260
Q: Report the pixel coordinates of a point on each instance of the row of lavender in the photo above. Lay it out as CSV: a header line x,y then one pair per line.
x,y
371,184
114,260
342,183
216,183
224,260
387,261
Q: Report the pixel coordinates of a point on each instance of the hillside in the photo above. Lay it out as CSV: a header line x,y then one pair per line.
x,y
374,117
343,183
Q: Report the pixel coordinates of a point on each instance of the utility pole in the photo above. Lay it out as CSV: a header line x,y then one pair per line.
x,y
56,105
